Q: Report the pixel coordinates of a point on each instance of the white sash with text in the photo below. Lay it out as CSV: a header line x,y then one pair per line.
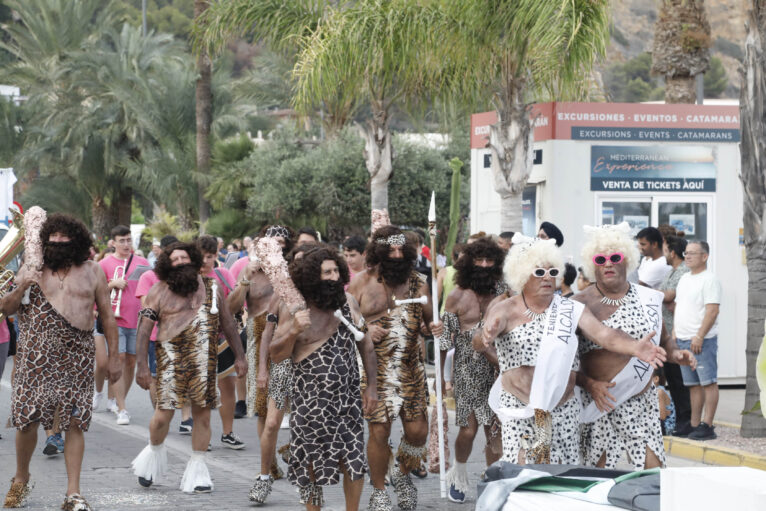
x,y
558,347
634,377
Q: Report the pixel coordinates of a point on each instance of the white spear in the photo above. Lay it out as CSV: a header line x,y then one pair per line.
x,y
437,357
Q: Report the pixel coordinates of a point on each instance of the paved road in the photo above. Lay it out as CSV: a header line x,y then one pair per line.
x,y
108,483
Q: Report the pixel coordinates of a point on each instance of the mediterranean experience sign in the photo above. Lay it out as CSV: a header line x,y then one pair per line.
x,y
679,168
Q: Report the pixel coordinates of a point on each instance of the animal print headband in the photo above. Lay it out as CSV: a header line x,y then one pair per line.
x,y
394,239
278,231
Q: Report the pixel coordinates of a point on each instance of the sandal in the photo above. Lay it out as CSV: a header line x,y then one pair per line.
x,y
420,472
17,494
75,502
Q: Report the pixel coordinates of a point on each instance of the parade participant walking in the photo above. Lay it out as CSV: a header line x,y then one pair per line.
x,y
326,425
254,289
191,313
537,354
620,414
208,247
117,267
479,270
56,355
401,376
276,376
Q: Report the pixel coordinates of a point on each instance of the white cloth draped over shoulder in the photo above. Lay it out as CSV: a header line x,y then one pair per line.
x,y
636,374
558,347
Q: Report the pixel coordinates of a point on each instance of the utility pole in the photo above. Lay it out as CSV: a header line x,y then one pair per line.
x,y
143,18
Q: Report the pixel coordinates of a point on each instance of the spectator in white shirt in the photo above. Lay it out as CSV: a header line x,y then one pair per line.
x,y
653,268
695,325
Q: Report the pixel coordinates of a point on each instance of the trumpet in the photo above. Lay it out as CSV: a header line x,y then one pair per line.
x,y
11,245
116,295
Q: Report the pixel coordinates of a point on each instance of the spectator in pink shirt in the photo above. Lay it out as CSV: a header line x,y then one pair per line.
x,y
127,319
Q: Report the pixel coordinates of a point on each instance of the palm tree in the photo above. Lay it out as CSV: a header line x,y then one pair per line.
x,y
681,47
506,53
204,118
370,52
753,151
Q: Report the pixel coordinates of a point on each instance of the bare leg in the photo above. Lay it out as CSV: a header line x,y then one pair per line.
x,y
378,453
159,425
309,505
269,436
186,412
697,398
101,362
651,460
242,389
226,385
352,490
602,461
26,440
74,447
464,440
711,402
128,371
261,425
201,430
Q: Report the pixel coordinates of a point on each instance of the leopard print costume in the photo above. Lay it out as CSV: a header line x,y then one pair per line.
x,y
473,374
280,382
635,424
326,425
401,370
54,367
257,399
186,364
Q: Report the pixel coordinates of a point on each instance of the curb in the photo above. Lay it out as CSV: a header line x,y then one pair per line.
x,y
711,454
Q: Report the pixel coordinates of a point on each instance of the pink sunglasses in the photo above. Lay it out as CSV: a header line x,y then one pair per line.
x,y
601,259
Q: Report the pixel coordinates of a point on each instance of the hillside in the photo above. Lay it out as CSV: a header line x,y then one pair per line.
x,y
633,33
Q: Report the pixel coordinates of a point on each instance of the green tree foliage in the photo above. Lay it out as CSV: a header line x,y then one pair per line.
x,y
169,16
631,81
326,185
716,80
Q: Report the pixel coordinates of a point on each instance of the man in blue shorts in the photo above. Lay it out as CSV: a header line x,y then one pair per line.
x,y
695,325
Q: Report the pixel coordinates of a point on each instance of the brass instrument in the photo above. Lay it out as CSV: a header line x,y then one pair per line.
x,y
10,246
116,295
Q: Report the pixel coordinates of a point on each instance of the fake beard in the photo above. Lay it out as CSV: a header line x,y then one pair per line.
x,y
395,271
328,295
483,280
58,255
182,280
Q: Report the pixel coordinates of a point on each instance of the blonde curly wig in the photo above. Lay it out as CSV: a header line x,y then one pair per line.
x,y
526,255
606,240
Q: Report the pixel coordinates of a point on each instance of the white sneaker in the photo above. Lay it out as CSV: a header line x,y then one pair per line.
x,y
98,397
123,418
285,422
111,406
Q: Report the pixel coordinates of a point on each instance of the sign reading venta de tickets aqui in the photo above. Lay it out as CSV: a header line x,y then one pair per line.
x,y
656,168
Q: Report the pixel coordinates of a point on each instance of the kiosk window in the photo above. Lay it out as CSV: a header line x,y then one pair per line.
x,y
637,214
690,217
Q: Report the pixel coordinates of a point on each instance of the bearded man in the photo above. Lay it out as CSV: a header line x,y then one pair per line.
x,y
479,271
621,412
56,354
326,426
401,376
191,313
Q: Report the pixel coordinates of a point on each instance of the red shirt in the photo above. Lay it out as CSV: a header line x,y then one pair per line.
x,y
145,283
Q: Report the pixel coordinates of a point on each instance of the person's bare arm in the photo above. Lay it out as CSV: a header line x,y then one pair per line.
x,y
440,282
669,296
149,302
674,354
495,323
266,336
434,327
9,304
229,327
236,299
711,313
108,323
620,342
287,332
369,360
